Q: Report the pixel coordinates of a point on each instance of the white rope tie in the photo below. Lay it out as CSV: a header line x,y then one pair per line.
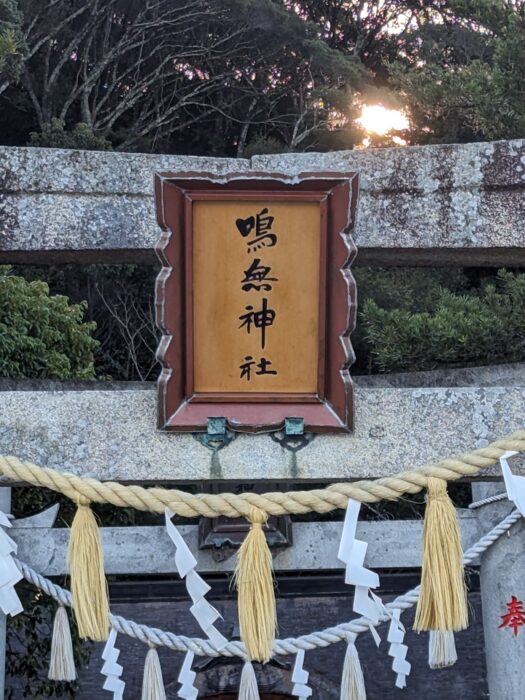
x,y
489,499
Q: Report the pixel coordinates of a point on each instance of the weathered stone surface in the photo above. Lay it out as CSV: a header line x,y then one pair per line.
x,y
112,435
501,577
511,374
53,199
315,547
466,202
454,196
58,171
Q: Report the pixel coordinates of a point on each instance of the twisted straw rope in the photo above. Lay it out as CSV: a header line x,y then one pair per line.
x,y
314,640
188,505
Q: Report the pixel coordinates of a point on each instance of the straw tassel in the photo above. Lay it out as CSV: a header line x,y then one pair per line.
x,y
442,603
352,680
152,681
256,596
62,662
441,649
88,583
248,689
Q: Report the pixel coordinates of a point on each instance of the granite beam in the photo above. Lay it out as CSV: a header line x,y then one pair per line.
x,y
111,435
148,550
428,205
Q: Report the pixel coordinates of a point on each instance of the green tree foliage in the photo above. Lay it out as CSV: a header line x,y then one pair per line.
x,y
448,328
120,305
170,75
7,46
82,136
228,77
462,72
407,289
263,145
42,336
11,43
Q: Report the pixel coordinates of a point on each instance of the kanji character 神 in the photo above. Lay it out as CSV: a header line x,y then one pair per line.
x,y
258,319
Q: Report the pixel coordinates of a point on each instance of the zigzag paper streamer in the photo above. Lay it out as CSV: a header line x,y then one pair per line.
x,y
352,553
187,678
515,485
202,611
111,668
9,573
300,678
398,650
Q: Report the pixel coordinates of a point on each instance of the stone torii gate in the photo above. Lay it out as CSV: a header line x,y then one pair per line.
x,y
442,205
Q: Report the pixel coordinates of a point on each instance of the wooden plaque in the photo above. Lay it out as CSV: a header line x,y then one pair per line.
x,y
255,300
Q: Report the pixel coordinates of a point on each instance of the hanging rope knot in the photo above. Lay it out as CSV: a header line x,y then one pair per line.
x,y
82,501
442,603
257,517
86,566
256,595
436,489
351,637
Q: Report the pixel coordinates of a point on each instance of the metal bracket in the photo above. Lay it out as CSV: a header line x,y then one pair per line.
x,y
216,426
293,437
294,426
217,434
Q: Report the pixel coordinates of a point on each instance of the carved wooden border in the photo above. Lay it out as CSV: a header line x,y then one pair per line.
x,y
328,410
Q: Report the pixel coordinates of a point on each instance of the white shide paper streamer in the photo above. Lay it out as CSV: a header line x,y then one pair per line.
x,y
515,485
9,573
398,650
352,553
186,678
111,668
202,611
300,678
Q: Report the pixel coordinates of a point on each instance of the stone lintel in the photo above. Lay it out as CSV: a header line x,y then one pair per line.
x,y
111,435
148,550
433,205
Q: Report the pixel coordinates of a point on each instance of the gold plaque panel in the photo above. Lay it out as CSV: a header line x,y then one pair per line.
x,y
256,269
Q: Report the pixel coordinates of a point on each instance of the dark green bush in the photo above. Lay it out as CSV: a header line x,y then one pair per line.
x,y
121,303
42,336
448,328
82,136
263,145
405,289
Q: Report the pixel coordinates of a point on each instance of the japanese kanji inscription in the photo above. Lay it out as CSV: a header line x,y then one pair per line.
x,y
515,616
255,300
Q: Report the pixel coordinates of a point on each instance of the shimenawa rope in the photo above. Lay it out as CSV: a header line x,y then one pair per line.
x,y
321,639
232,505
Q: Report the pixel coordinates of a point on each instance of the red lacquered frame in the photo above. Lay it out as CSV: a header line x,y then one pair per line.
x,y
330,408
